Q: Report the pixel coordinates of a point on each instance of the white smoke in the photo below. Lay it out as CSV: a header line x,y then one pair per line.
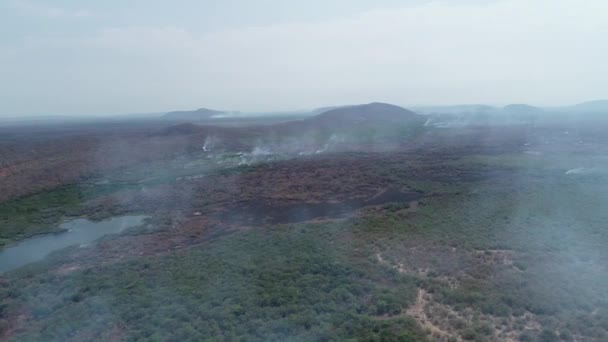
x,y
210,142
582,171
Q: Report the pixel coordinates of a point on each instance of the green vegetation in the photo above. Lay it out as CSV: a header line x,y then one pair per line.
x,y
288,282
37,214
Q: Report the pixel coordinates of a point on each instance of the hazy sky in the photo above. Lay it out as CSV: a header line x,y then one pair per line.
x,y
121,56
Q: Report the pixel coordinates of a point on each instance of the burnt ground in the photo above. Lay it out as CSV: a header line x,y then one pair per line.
x,y
259,212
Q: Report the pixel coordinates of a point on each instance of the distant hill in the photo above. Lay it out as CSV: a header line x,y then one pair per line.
x,y
354,120
521,109
199,114
480,115
321,110
372,113
592,106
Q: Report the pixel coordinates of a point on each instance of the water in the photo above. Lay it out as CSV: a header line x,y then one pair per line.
x,y
80,232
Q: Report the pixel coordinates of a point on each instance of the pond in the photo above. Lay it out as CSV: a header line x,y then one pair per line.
x,y
78,232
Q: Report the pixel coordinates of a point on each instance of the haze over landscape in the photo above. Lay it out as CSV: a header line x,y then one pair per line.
x,y
73,58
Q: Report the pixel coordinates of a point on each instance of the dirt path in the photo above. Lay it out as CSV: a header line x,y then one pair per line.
x,y
418,308
417,311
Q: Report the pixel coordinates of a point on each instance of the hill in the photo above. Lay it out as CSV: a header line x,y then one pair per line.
x,y
521,109
321,110
592,106
371,114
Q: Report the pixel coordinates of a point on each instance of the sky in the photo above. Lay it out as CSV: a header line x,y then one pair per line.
x,y
68,57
